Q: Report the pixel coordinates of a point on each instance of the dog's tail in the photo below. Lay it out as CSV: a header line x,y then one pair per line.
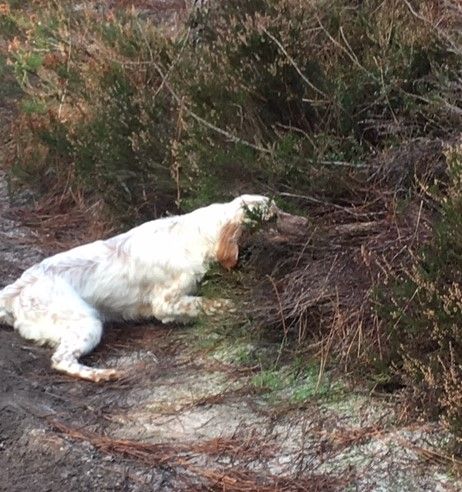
x,y
6,297
5,316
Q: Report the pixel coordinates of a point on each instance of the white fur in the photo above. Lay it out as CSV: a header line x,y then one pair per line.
x,y
149,271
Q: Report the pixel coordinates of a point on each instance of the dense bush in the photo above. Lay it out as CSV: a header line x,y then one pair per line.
x,y
259,95
424,311
90,117
317,85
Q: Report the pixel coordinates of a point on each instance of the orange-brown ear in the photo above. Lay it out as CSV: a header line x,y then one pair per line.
x,y
228,248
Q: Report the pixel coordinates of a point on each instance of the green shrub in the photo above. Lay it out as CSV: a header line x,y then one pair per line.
x,y
312,83
98,118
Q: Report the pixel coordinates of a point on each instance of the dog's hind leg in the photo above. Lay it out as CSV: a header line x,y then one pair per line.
x,y
48,310
74,344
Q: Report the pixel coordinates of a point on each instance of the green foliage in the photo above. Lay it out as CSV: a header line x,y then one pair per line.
x,y
31,106
96,118
256,96
123,151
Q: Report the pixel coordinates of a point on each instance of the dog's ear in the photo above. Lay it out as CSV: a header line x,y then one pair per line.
x,y
228,248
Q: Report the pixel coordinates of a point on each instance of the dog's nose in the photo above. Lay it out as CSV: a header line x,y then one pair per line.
x,y
273,208
272,212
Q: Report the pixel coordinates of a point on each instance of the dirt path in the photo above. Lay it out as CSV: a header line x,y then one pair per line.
x,y
186,421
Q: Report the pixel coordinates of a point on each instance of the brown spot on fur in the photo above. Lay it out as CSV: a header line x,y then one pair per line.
x,y
228,248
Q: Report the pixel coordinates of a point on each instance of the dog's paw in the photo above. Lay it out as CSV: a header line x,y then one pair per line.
x,y
102,375
80,371
218,306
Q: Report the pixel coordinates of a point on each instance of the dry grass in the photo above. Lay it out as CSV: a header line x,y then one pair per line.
x,y
434,456
62,222
316,286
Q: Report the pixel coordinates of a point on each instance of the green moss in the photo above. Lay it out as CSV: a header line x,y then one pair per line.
x,y
297,383
33,106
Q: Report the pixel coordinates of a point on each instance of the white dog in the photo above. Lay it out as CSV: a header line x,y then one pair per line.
x,y
149,271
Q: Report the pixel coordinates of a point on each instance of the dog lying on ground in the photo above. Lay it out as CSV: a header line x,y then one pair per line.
x,y
150,271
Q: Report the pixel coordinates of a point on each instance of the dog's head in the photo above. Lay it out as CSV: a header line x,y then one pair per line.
x,y
246,211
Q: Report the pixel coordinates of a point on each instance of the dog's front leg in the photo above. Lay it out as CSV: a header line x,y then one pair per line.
x,y
188,307
217,306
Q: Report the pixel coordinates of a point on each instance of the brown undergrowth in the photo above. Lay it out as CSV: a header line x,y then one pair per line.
x,y
62,218
318,285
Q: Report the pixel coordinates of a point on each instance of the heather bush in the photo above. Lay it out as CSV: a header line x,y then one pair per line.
x,y
262,96
90,116
313,85
424,311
